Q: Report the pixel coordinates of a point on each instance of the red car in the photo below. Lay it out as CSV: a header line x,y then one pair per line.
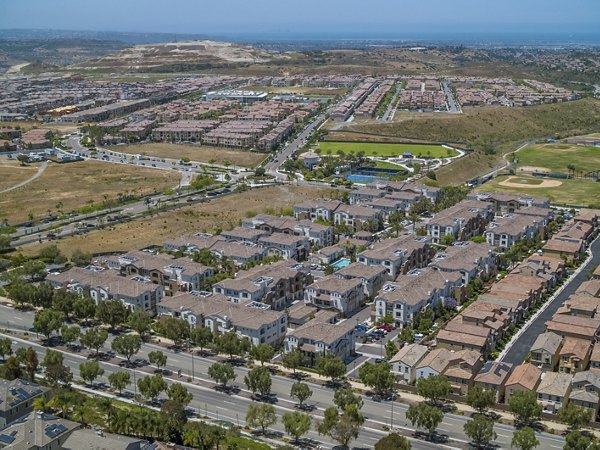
x,y
385,327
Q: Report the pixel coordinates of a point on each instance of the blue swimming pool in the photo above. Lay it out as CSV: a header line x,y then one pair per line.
x,y
361,178
341,263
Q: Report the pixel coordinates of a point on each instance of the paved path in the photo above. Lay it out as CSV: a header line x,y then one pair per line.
x,y
23,183
519,349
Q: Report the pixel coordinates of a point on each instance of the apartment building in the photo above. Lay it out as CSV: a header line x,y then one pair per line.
x,y
316,338
17,397
399,255
461,221
413,292
136,292
285,245
277,285
332,292
215,311
371,277
468,258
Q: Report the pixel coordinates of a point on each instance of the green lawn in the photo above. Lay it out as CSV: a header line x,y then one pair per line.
x,y
557,157
382,149
570,192
387,165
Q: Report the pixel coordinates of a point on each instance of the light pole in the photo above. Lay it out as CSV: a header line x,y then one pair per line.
x,y
192,352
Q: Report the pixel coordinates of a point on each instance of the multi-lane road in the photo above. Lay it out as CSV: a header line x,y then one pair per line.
x,y
232,407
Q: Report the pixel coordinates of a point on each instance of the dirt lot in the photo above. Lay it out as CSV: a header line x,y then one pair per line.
x,y
224,213
75,184
29,124
11,172
195,153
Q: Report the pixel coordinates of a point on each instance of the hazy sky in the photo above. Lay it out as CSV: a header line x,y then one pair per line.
x,y
304,16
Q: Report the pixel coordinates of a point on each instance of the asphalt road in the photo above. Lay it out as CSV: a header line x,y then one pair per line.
x,y
233,407
520,348
387,115
453,105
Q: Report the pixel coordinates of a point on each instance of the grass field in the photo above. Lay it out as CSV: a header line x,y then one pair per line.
x,y
195,153
570,192
557,157
225,213
11,172
387,165
498,130
74,184
381,149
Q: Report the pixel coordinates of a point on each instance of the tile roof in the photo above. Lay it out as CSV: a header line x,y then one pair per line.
x,y
526,375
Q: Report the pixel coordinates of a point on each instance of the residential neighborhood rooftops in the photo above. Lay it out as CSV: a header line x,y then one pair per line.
x,y
410,354
525,375
494,372
547,341
555,383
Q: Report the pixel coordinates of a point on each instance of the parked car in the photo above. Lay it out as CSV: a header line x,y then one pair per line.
x,y
387,327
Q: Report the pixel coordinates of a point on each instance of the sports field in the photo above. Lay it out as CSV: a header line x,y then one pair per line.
x,y
557,157
565,192
387,150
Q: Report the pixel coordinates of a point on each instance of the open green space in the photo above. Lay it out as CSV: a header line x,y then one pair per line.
x,y
570,192
391,150
557,157
491,132
387,165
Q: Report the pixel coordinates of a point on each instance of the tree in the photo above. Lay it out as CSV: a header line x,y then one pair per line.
x,y
262,353
425,416
222,373
84,308
393,441
89,371
201,337
11,369
575,416
139,321
576,440
296,424
62,300
5,348
31,363
390,349
480,399
331,367
94,338
177,330
377,376
70,334
80,258
344,398
480,430
174,418
5,241
524,406
301,391
524,439
259,380
111,312
228,343
261,415
341,427
151,386
260,172
293,360
158,358
48,321
434,388
202,435
119,380
127,345
179,394
55,370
